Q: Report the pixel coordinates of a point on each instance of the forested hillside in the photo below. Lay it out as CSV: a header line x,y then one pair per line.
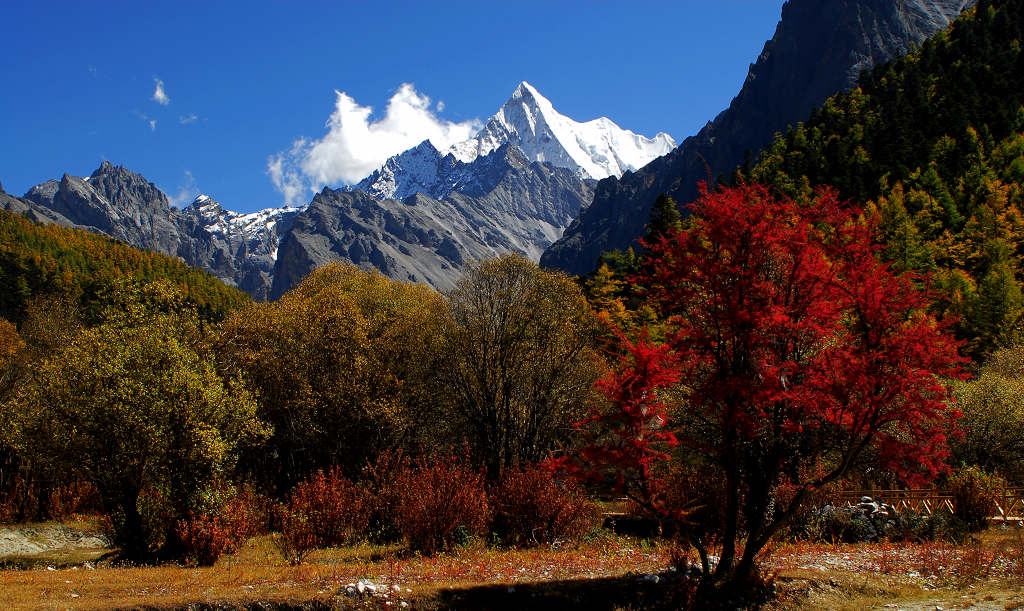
x,y
50,260
933,144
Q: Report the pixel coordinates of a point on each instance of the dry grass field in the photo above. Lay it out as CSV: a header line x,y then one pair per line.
x,y
605,572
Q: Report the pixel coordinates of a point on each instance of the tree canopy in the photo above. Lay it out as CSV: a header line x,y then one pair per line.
x,y
933,143
48,260
136,407
795,350
520,362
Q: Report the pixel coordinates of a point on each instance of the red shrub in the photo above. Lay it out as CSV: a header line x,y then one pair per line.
x,y
248,515
379,480
439,501
204,539
530,508
322,511
74,498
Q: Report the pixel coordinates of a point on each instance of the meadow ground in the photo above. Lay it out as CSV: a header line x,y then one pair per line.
x,y
604,572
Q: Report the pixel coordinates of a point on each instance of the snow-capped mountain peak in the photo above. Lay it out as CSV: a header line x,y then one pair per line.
x,y
253,225
594,149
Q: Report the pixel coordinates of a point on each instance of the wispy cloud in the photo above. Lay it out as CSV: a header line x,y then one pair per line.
x,y
189,118
159,95
186,192
356,143
145,118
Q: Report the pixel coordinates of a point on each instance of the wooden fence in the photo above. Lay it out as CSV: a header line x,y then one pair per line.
x,y
1008,506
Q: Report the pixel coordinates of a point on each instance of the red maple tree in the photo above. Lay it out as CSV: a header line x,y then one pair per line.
x,y
793,350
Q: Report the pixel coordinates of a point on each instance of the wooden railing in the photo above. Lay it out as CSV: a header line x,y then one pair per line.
x,y
1008,506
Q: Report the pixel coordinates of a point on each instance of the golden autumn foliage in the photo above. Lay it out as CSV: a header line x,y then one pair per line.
x,y
40,259
342,365
520,361
135,406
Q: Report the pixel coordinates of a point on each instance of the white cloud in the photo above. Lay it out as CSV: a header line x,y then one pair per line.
x,y
357,143
146,119
186,119
186,193
159,95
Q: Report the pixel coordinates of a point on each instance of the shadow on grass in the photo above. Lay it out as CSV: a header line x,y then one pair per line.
x,y
628,592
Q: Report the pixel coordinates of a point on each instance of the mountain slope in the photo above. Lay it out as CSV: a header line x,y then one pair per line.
x,y
933,144
515,206
819,48
48,260
513,188
240,249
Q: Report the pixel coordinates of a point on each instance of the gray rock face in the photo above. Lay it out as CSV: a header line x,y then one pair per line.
x,y
114,201
513,206
819,49
37,213
496,204
240,249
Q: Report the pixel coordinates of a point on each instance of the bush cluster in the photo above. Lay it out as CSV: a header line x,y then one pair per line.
x,y
22,499
324,511
433,503
974,495
204,538
530,508
439,503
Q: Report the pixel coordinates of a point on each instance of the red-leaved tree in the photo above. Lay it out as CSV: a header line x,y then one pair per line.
x,y
796,352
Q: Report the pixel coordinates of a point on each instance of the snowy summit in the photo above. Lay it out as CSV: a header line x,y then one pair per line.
x,y
595,149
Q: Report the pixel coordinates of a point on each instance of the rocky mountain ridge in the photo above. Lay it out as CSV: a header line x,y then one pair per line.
x,y
503,203
239,249
593,149
514,205
513,188
819,49
516,186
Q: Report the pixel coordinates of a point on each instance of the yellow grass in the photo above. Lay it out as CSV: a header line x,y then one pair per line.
x,y
987,574
257,572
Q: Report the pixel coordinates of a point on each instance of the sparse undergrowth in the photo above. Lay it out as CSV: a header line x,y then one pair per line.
x,y
602,572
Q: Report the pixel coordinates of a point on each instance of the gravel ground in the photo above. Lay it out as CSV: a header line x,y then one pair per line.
x,y
38,539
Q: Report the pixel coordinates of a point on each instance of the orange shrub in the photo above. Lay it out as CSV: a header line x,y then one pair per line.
x,y
379,480
248,515
74,498
974,496
323,511
439,501
298,535
530,508
204,539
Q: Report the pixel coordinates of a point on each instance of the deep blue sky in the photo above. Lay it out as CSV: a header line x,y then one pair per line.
x,y
78,78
